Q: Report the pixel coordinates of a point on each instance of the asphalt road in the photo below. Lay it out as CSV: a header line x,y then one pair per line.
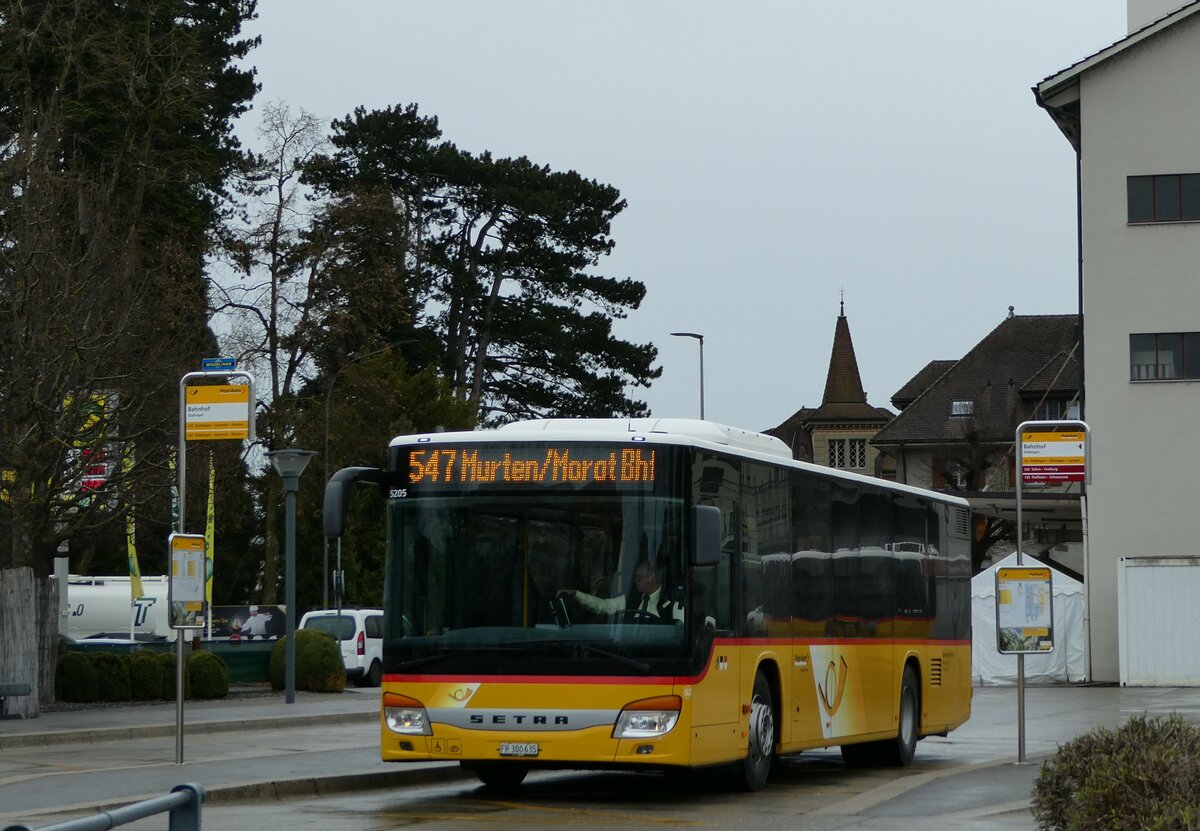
x,y
314,764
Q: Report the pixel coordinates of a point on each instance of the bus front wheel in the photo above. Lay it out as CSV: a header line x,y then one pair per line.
x,y
502,776
760,751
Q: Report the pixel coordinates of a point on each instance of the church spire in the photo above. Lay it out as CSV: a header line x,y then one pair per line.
x,y
843,385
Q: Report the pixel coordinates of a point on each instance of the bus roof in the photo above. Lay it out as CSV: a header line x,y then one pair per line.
x,y
658,430
675,431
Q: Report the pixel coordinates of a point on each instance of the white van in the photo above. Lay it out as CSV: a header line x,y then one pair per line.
x,y
360,634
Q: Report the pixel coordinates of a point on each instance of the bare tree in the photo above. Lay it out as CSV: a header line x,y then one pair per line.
x,y
268,303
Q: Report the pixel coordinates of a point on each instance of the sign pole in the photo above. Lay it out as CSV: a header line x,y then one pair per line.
x,y
1056,457
213,369
1021,655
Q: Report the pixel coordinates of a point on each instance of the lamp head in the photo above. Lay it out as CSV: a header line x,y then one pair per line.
x,y
289,464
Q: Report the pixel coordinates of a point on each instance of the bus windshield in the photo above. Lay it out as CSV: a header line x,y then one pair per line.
x,y
530,582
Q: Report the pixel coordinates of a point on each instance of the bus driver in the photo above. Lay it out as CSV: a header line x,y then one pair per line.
x,y
647,599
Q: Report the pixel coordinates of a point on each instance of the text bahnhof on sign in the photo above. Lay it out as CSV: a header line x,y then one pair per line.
x,y
557,465
1052,457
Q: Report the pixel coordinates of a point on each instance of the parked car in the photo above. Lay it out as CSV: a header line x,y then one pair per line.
x,y
360,634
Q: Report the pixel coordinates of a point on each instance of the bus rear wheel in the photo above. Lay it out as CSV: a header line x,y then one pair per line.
x,y
897,752
760,750
502,776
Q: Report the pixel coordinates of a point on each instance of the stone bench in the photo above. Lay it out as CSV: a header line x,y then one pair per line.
x,y
11,690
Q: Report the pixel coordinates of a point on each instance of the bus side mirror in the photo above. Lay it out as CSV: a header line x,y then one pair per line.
x,y
337,496
706,535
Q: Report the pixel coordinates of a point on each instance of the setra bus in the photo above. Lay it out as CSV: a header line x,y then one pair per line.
x,y
795,606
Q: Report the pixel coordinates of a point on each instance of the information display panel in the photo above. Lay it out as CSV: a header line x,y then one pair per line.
x,y
1024,611
186,589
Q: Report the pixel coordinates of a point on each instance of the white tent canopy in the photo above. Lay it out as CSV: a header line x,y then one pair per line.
x,y
1067,663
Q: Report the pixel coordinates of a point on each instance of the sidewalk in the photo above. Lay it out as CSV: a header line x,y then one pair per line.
x,y
239,748
260,746
248,707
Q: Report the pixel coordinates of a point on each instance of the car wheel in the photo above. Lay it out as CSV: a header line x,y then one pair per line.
x,y
374,675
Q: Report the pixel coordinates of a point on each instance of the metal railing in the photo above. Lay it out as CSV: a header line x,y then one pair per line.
x,y
183,803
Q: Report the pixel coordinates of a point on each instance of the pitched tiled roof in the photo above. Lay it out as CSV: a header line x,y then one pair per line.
x,y
793,434
920,382
1000,376
1058,94
1060,373
1050,84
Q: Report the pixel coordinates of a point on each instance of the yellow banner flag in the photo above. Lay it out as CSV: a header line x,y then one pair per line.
x,y
210,527
136,592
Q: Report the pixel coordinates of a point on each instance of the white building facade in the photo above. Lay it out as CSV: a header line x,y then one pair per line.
x,y
1132,111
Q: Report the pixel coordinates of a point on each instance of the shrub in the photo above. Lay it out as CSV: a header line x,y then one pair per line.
x,y
319,666
145,677
1143,776
167,665
210,676
75,678
112,676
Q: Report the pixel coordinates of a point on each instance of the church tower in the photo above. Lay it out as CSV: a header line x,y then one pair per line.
x,y
837,433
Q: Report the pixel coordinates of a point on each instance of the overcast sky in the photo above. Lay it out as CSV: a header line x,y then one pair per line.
x,y
773,155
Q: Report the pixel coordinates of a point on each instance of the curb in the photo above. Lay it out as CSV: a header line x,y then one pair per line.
x,y
319,786
96,735
308,787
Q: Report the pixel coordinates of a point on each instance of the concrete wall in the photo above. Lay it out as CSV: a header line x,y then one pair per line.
x,y
1140,115
1141,12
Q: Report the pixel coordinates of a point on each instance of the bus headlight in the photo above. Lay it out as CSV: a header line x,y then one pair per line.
x,y
405,715
648,718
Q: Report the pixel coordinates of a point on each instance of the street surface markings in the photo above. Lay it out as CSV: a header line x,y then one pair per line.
x,y
584,814
66,770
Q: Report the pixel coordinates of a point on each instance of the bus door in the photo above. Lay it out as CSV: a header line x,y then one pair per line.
x,y
811,602
716,698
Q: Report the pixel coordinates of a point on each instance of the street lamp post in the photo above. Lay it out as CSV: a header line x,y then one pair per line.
x,y
325,456
701,339
289,464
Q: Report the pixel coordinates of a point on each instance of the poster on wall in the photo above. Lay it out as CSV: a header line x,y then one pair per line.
x,y
252,622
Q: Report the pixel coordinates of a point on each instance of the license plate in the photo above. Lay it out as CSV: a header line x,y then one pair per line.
x,y
519,749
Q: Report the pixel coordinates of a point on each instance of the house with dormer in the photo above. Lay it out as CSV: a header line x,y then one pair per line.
x,y
957,426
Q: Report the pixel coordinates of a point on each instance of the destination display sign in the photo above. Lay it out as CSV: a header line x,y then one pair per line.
x,y
217,412
525,465
1052,457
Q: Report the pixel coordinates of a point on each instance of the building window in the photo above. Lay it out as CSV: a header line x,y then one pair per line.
x,y
1164,357
1056,409
858,454
837,453
1173,197
962,408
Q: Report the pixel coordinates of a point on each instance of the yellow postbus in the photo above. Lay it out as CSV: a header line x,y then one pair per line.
x,y
657,593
